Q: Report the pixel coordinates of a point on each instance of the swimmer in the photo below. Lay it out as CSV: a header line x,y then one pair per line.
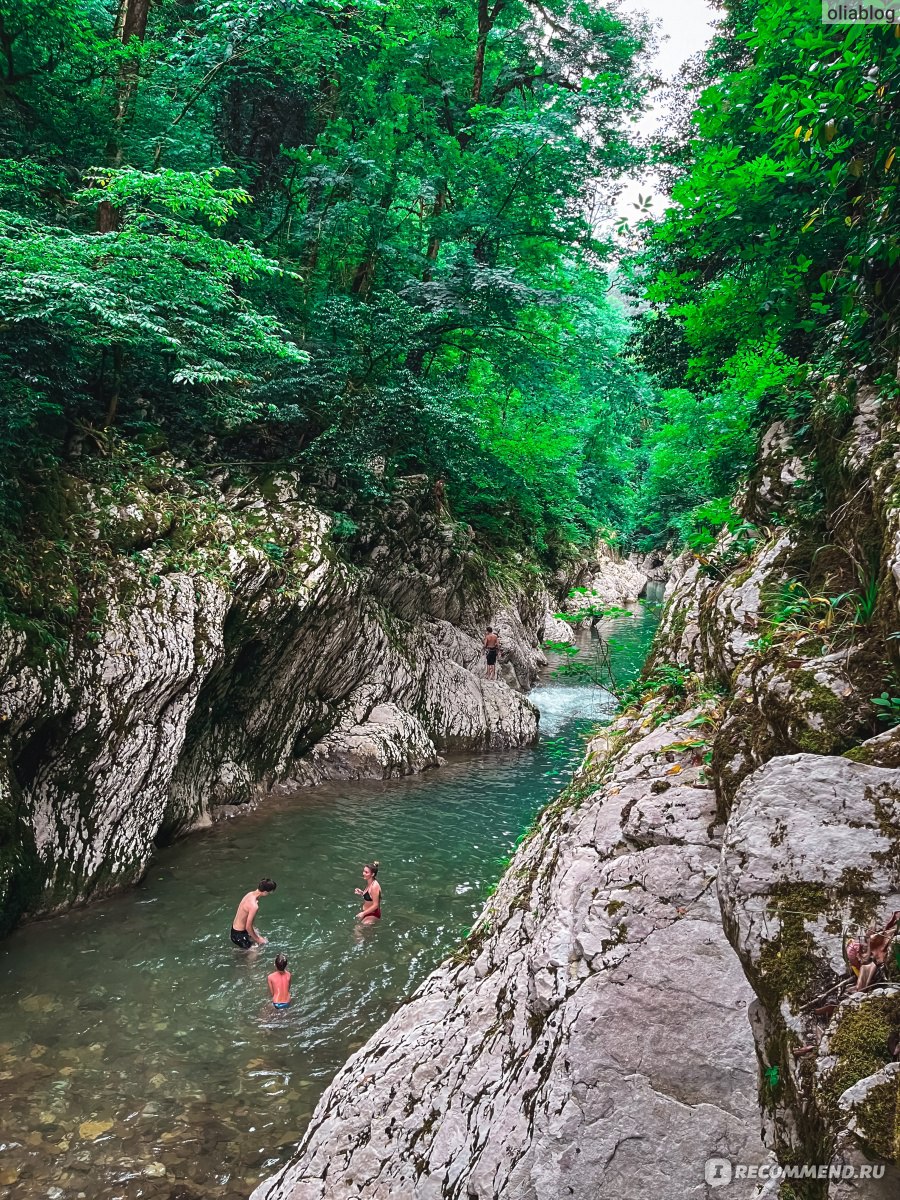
x,y
242,932
371,909
280,983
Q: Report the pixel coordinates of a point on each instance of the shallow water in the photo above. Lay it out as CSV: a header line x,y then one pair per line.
x,y
138,1054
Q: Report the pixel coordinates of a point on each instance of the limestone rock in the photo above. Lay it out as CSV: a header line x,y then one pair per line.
x,y
780,468
864,1102
732,616
810,856
678,640
811,848
387,744
596,1014
609,581
883,750
557,630
786,700
656,565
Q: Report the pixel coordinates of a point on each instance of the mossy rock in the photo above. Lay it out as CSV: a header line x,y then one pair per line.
x,y
789,968
881,751
859,1046
876,1120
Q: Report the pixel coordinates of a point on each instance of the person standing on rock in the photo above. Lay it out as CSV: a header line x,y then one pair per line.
x,y
491,650
242,932
371,909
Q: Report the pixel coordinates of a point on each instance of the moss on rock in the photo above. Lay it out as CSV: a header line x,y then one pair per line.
x,y
859,1046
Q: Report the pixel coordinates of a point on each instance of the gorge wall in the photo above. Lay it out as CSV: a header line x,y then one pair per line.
x,y
230,648
661,978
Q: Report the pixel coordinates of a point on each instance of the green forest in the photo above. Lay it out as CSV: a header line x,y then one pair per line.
x,y
377,239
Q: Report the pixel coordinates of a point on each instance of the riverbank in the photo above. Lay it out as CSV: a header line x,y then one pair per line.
x,y
595,1015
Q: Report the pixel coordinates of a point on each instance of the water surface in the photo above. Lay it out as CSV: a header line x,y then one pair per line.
x,y
138,1054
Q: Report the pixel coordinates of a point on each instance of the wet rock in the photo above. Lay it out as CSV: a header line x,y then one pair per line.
x,y
91,1130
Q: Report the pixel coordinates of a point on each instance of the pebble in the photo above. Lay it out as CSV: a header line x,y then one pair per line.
x,y
93,1129
156,1170
35,1004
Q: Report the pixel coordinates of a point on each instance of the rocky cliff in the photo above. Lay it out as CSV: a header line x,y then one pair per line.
x,y
662,977
230,648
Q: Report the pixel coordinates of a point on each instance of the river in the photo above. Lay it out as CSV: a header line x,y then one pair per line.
x,y
138,1054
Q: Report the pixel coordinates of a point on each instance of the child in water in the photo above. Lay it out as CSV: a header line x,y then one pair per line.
x,y
280,983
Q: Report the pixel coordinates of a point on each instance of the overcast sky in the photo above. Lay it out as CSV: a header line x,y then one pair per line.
x,y
684,26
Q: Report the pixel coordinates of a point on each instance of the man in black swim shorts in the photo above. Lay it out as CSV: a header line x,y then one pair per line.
x,y
243,933
491,650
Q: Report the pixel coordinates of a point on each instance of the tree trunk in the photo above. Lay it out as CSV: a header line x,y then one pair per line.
x,y
434,242
131,21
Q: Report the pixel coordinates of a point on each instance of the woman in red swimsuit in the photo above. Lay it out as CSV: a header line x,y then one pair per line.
x,y
371,909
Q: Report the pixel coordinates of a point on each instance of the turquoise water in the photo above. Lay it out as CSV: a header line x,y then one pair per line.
x,y
138,1054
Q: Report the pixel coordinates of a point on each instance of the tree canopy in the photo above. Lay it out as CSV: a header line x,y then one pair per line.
x,y
362,239
372,240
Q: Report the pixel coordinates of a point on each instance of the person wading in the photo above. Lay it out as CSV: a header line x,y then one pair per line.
x,y
371,909
242,932
491,650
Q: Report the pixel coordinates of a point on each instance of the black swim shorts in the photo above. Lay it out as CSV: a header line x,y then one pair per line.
x,y
491,657
241,938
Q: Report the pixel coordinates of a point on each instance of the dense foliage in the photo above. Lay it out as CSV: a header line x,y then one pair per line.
x,y
362,239
368,241
777,264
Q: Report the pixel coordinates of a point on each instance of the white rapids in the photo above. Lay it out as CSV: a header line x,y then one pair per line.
x,y
560,705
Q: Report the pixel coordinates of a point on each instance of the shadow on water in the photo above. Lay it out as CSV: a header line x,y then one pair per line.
x,y
138,1054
